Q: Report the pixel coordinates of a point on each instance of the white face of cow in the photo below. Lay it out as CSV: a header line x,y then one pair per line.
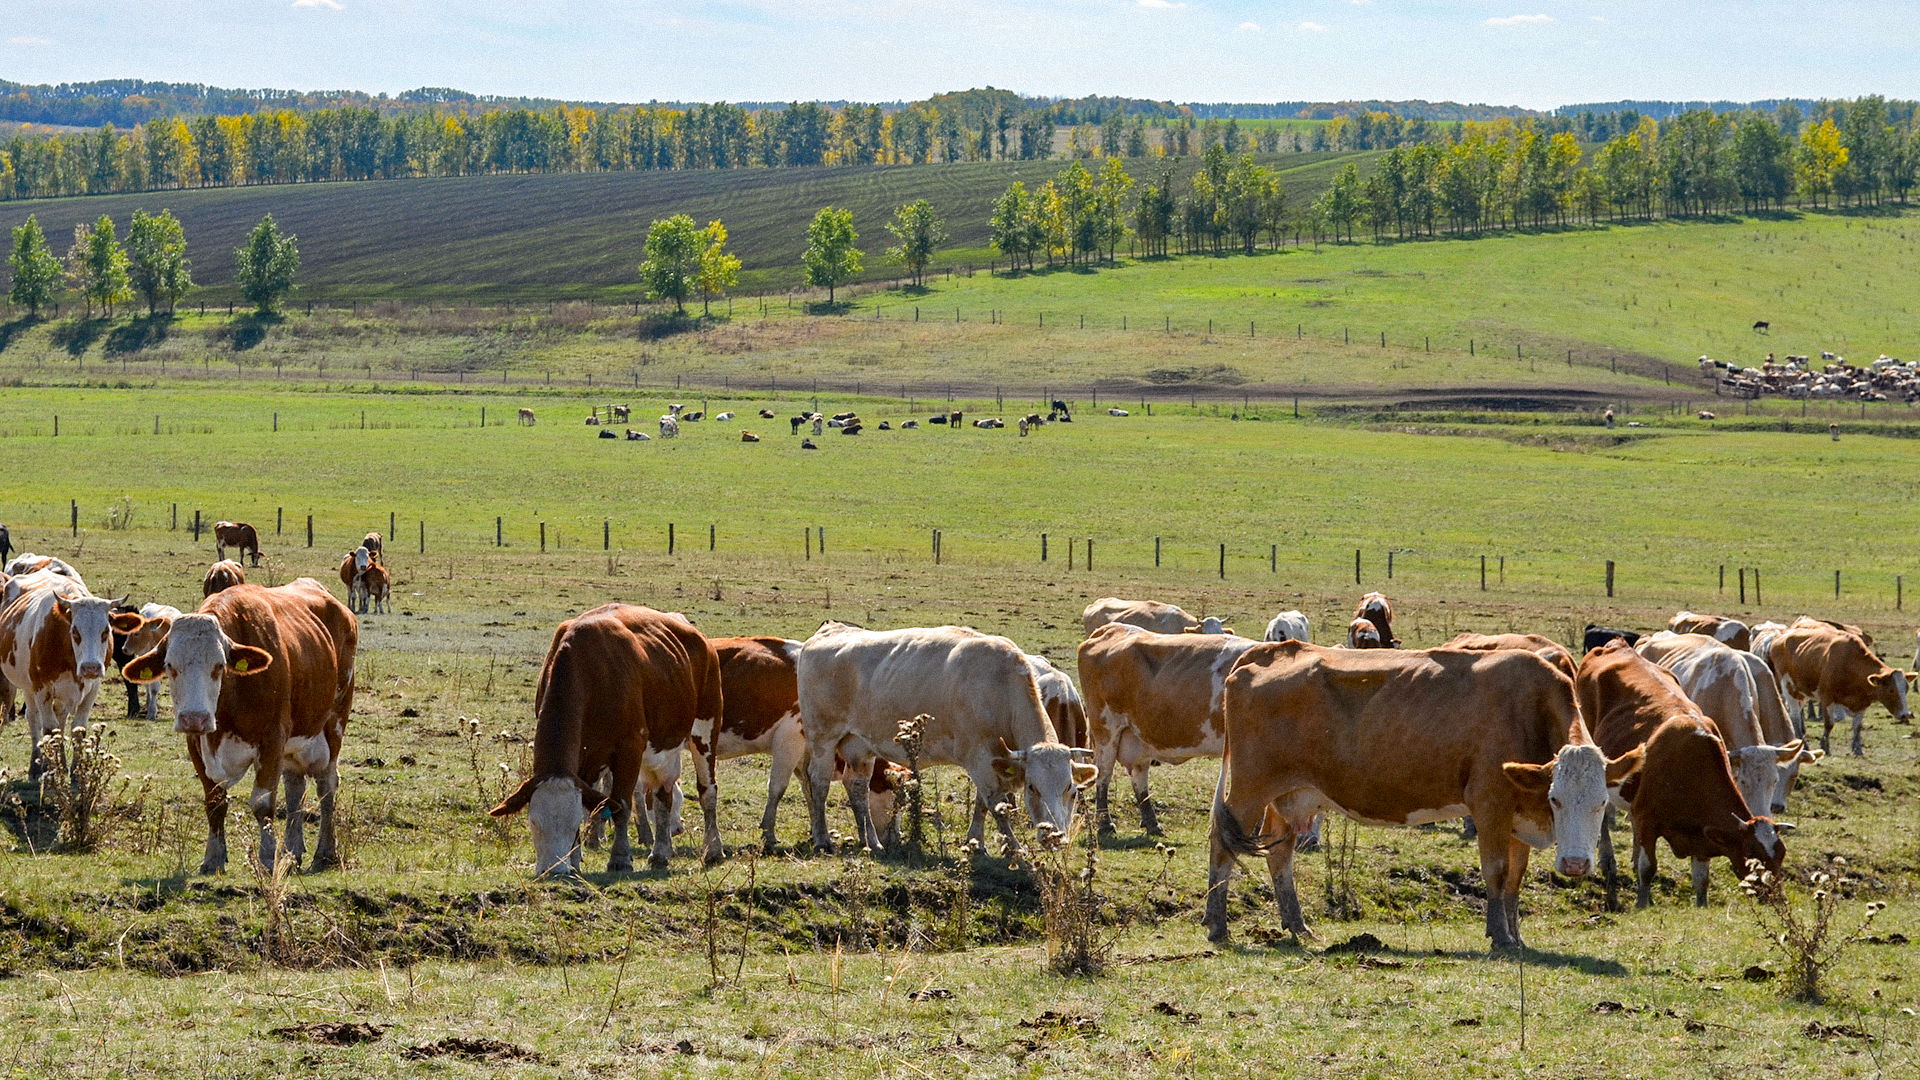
x,y
362,558
1765,774
556,813
1578,798
88,617
1051,777
196,658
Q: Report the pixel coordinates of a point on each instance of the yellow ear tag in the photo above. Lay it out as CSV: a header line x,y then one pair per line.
x,y
240,664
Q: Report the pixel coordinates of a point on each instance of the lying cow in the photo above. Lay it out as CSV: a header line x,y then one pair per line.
x,y
1378,610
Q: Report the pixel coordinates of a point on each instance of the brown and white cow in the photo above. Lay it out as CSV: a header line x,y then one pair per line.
x,y
1547,648
353,574
155,621
1722,681
224,574
28,564
236,534
1152,698
1406,738
1835,668
623,688
376,589
374,545
857,685
1718,627
1145,614
1685,793
1065,707
1362,634
262,680
526,417
55,639
1378,610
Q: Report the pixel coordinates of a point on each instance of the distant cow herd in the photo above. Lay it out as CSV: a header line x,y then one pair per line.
x,y
1696,733
1883,379
669,424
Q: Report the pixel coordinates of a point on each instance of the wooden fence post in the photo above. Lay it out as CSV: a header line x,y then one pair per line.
x,y
543,538
1089,553
393,524
1609,577
713,535
806,539
1483,573
1899,592
1836,584
1356,566
1723,577
73,506
309,530
1756,586
1156,551
279,518
823,539
606,534
196,525
1043,547
1273,558
1389,564
1223,562
423,537
669,537
1743,586
497,531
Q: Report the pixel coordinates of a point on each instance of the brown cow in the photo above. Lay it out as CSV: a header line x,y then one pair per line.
x,y
1718,627
236,534
353,574
1550,650
748,436
291,650
1152,698
1378,610
1685,793
1146,614
373,544
526,417
1362,634
224,574
623,688
1823,663
376,589
1735,691
1406,738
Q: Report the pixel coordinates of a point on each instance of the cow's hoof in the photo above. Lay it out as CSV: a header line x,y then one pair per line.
x,y
655,862
715,855
1508,948
324,862
1217,935
620,866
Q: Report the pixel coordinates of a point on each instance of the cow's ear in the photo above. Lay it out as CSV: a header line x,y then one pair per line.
x,y
1007,769
515,802
126,622
147,668
1812,756
1724,838
247,660
1876,679
590,799
1084,774
1788,754
1528,777
1626,766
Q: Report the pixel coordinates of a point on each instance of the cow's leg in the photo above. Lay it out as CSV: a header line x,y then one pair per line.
x,y
327,785
1142,798
1608,867
1310,840
703,769
261,802
854,780
1495,856
295,783
1280,869
789,753
626,776
1105,756
1517,855
1645,863
1858,716
152,691
38,724
819,779
83,712
1700,868
134,693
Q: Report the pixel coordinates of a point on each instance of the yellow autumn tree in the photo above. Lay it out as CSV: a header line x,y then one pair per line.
x,y
1821,157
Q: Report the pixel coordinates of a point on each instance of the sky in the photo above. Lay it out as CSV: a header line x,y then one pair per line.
x,y
1534,53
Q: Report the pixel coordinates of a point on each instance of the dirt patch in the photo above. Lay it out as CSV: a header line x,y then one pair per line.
x,y
492,1050
351,1033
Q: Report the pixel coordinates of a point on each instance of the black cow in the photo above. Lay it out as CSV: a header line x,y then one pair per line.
x,y
1595,636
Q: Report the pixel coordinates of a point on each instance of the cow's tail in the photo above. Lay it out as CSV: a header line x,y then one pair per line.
x,y
1227,831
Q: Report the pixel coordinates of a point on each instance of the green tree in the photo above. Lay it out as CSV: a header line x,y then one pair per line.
x,y
831,257
674,246
34,269
719,268
265,264
157,253
1007,228
1762,169
97,265
1339,206
918,230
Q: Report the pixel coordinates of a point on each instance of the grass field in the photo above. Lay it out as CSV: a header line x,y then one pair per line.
x,y
124,964
578,235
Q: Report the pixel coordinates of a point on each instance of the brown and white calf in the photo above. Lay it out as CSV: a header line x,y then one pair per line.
x,y
1152,698
1718,627
374,545
238,535
156,620
1378,610
1145,614
1362,634
1835,668
224,574
55,639
1406,738
623,688
858,685
1685,793
262,681
376,588
353,574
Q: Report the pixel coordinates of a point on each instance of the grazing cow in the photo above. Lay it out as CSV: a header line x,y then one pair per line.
x,y
794,422
1546,648
373,544
808,444
1152,698
1362,634
669,427
1289,626
722,417
1023,427
1830,666
857,685
236,534
1595,636
619,413
1061,408
1378,610
55,638
1718,627
766,414
1406,738
819,424
748,436
1685,793
623,689
638,436
1607,418
376,589
262,679
1118,412
526,417
1145,614
224,574
155,621
1762,326
1721,681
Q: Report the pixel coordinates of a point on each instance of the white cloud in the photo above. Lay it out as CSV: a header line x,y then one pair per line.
x,y
1249,27
28,40
1161,5
330,5
1314,27
1519,20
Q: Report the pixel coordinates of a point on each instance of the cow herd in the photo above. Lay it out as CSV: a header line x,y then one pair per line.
x,y
846,423
1696,733
1884,379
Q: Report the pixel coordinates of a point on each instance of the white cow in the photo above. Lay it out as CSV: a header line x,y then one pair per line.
x,y
857,685
1117,412
669,427
1289,626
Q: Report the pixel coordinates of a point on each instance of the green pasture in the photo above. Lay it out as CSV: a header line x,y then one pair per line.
x,y
123,963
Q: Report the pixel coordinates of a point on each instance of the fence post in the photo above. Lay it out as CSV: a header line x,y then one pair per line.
x,y
806,539
1389,564
1483,573
1756,586
543,538
1356,566
276,423
1609,577
1899,592
712,534
1743,586
1156,551
423,537
196,523
606,534
483,417
669,537
1043,547
1223,562
1836,584
1069,552
496,531
822,538
73,505
175,527
279,518
1273,558
393,524
1723,577
309,530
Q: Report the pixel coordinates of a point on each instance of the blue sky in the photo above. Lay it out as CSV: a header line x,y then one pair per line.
x,y
1527,52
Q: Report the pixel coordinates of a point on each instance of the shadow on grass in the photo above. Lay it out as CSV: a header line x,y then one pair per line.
x,y
1357,953
32,826
143,332
250,329
78,335
829,307
14,328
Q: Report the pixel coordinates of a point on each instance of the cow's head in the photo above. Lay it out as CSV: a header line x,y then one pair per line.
x,y
362,558
91,622
1211,625
556,807
1890,689
1753,840
1765,773
196,657
1575,788
1052,774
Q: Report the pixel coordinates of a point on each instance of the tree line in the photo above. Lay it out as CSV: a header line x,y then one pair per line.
x,y
152,264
